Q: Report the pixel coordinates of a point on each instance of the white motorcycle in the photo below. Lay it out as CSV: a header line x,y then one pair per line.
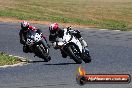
x,y
72,47
34,41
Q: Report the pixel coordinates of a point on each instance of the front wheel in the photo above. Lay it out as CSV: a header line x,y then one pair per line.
x,y
43,53
74,54
86,56
87,59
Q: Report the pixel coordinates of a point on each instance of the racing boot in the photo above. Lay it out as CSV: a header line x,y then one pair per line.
x,y
26,49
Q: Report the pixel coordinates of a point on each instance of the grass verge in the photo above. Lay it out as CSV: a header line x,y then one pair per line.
x,y
108,14
8,60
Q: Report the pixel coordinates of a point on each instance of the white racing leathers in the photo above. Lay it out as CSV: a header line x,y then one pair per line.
x,y
73,47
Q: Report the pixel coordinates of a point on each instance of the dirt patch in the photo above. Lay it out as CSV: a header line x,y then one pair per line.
x,y
14,20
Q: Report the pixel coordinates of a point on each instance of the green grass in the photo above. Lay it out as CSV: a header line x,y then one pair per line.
x,y
8,60
111,14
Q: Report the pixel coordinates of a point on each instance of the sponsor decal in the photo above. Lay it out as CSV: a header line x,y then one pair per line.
x,y
83,78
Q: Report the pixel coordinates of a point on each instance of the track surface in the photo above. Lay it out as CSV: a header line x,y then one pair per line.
x,y
111,52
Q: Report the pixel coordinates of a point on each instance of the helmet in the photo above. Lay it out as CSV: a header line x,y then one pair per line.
x,y
24,25
54,27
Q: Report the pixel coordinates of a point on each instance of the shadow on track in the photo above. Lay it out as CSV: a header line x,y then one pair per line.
x,y
61,64
35,61
51,63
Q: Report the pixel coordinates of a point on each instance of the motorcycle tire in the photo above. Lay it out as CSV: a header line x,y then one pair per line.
x,y
73,56
43,54
86,57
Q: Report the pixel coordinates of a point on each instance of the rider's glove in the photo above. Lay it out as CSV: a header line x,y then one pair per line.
x,y
78,35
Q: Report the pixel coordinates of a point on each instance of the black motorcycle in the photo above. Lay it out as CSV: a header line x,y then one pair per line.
x,y
35,43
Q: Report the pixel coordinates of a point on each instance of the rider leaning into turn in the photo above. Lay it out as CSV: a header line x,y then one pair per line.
x,y
25,27
56,31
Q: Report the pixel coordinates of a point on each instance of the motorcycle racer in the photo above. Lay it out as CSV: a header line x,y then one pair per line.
x,y
25,27
57,32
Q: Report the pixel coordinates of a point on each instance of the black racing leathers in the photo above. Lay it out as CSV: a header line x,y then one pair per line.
x,y
23,34
60,34
53,36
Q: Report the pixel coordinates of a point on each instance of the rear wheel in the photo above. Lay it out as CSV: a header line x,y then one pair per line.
x,y
74,54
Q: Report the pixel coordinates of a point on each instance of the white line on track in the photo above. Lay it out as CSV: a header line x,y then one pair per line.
x,y
103,29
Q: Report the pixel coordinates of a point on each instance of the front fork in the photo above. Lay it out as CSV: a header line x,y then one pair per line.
x,y
85,51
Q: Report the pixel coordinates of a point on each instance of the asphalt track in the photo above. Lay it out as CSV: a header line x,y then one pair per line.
x,y
111,52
